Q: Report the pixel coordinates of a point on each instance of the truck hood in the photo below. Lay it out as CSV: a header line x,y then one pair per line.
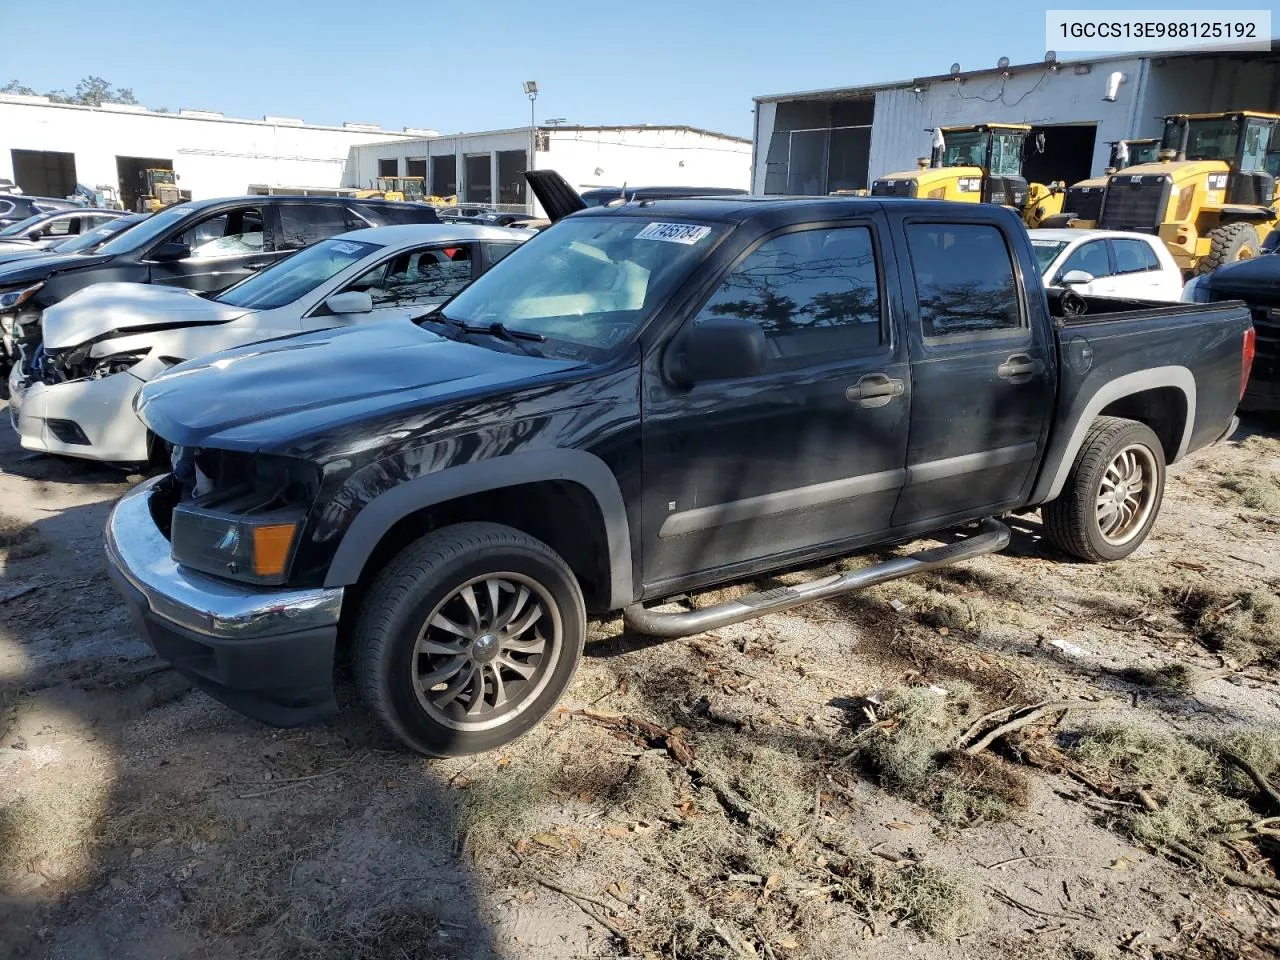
x,y
35,269
271,394
128,308
1256,281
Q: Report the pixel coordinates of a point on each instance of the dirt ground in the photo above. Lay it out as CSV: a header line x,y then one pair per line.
x,y
760,792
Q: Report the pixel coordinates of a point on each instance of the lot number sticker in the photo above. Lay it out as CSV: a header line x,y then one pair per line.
x,y
686,233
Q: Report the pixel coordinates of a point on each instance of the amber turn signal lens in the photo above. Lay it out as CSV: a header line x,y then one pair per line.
x,y
271,545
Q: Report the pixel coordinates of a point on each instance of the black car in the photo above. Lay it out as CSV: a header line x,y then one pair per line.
x,y
19,206
204,245
637,403
1257,282
602,196
46,229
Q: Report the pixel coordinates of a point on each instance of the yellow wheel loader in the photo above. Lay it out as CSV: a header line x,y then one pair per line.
x,y
981,163
1082,201
1209,195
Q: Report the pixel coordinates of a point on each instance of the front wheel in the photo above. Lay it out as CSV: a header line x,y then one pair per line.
x,y
1113,494
1228,243
468,638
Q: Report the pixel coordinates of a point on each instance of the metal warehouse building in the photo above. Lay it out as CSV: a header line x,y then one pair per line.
x,y
489,167
827,140
46,148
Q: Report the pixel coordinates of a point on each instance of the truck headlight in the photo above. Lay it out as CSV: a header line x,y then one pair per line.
x,y
12,299
255,549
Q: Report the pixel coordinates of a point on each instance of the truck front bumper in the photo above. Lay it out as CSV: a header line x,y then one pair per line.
x,y
265,653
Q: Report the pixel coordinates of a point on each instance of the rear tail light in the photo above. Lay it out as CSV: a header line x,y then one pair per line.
x,y
1246,358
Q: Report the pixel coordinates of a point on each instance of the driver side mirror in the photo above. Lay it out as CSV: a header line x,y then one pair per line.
x,y
721,348
170,251
353,301
1076,276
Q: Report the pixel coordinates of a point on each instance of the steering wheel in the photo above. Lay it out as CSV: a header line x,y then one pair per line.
x,y
1073,305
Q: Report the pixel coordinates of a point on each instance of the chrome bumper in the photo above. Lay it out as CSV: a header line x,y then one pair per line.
x,y
202,604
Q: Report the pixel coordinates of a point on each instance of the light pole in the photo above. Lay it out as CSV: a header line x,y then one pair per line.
x,y
531,91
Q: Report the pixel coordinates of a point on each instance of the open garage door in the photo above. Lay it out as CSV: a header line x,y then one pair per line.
x,y
1067,156
45,173
132,172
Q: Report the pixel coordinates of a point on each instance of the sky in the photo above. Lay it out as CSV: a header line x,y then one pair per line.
x,y
459,67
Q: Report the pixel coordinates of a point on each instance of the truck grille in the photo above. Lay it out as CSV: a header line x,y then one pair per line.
x,y
1135,202
1084,202
893,188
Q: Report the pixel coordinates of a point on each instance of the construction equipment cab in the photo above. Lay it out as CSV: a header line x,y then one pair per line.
x,y
159,189
981,163
1209,195
1082,203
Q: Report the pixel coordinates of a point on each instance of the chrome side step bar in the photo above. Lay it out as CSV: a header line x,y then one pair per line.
x,y
992,536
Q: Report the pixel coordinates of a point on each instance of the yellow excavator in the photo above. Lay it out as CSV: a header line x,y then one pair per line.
x,y
1210,195
1082,201
978,163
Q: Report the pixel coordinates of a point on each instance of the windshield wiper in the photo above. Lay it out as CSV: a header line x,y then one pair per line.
x,y
495,329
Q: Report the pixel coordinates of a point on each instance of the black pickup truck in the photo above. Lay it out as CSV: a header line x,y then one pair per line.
x,y
1257,282
641,401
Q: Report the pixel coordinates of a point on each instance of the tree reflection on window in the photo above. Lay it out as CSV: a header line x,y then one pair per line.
x,y
813,292
964,278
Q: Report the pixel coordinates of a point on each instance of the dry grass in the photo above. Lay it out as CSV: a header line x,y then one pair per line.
x,y
1243,624
916,758
19,539
1254,490
1130,753
503,806
52,832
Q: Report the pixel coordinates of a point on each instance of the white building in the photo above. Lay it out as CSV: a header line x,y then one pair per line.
x,y
826,140
47,148
489,167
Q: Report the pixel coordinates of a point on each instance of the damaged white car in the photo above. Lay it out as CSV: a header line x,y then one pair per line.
x,y
73,393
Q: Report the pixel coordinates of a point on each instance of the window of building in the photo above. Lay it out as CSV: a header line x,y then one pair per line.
x,y
389,167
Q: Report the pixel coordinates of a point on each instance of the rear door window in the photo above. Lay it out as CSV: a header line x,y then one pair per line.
x,y
302,224
1134,256
964,279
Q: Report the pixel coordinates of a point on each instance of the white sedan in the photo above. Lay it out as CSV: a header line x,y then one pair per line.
x,y
73,394
1108,263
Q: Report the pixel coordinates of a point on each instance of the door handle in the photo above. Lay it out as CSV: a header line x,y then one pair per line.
x,y
875,390
1019,368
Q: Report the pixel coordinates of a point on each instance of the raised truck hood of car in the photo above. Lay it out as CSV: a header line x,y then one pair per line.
x,y
128,308
35,269
270,394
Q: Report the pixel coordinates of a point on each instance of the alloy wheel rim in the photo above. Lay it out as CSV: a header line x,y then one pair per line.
x,y
486,651
1126,494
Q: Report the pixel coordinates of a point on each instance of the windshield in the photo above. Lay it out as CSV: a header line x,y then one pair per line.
x,y
1143,153
965,149
297,276
1047,251
150,229
587,282
1206,139
22,226
89,240
1006,155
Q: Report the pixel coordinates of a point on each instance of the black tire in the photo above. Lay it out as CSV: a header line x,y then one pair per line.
x,y
1072,522
1228,243
420,584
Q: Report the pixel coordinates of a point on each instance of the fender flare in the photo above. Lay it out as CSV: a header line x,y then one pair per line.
x,y
381,513
1178,378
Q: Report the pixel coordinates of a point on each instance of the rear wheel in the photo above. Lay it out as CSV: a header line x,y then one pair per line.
x,y
1228,243
468,638
1113,494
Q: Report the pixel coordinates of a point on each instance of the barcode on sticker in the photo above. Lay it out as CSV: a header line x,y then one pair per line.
x,y
686,233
